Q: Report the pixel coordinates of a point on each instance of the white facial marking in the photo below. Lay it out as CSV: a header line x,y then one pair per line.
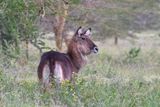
x,y
95,50
88,32
58,73
80,32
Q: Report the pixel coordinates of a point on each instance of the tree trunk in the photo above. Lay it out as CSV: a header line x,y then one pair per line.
x,y
17,47
60,20
115,40
61,8
58,38
27,53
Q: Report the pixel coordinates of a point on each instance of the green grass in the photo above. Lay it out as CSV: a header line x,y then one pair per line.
x,y
108,80
87,93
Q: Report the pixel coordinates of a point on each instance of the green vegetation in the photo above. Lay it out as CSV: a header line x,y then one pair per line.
x,y
17,18
125,75
107,81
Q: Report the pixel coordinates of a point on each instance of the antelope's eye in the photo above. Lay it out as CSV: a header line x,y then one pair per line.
x,y
83,38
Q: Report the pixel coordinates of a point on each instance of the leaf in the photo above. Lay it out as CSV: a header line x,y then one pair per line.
x,y
75,1
40,42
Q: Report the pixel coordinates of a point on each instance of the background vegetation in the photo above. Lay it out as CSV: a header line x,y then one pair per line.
x,y
125,73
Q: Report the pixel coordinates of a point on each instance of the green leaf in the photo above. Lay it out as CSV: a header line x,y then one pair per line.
x,y
75,1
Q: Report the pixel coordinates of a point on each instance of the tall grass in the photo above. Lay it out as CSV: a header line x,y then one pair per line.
x,y
109,80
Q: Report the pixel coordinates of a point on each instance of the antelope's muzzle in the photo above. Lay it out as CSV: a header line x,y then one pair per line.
x,y
95,49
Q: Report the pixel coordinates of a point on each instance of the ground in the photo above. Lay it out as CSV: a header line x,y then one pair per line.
x,y
118,76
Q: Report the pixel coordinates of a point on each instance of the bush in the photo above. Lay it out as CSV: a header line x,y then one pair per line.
x,y
133,54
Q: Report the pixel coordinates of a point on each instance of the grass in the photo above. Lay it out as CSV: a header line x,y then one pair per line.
x,y
110,79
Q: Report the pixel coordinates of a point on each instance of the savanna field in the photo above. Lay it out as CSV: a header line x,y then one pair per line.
x,y
124,75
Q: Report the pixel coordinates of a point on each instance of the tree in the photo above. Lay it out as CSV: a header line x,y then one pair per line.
x,y
17,24
58,9
62,8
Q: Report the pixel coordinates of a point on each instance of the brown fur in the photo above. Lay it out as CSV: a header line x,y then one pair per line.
x,y
71,62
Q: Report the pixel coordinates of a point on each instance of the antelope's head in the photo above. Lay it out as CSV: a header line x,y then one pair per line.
x,y
83,42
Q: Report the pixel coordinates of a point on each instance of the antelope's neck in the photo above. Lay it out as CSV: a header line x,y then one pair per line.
x,y
77,58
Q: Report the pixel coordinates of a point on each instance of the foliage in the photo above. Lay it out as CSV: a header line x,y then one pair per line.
x,y
75,1
133,54
83,93
101,83
17,22
106,81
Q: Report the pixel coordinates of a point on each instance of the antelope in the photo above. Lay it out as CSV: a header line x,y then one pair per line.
x,y
61,66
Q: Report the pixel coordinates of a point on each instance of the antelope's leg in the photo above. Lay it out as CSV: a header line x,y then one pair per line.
x,y
58,73
46,77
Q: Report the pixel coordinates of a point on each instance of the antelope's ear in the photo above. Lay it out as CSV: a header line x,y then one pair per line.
x,y
79,31
88,32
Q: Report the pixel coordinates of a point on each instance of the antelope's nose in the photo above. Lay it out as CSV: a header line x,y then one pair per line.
x,y
95,49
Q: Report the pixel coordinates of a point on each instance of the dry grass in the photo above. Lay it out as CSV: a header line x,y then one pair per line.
x,y
109,79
